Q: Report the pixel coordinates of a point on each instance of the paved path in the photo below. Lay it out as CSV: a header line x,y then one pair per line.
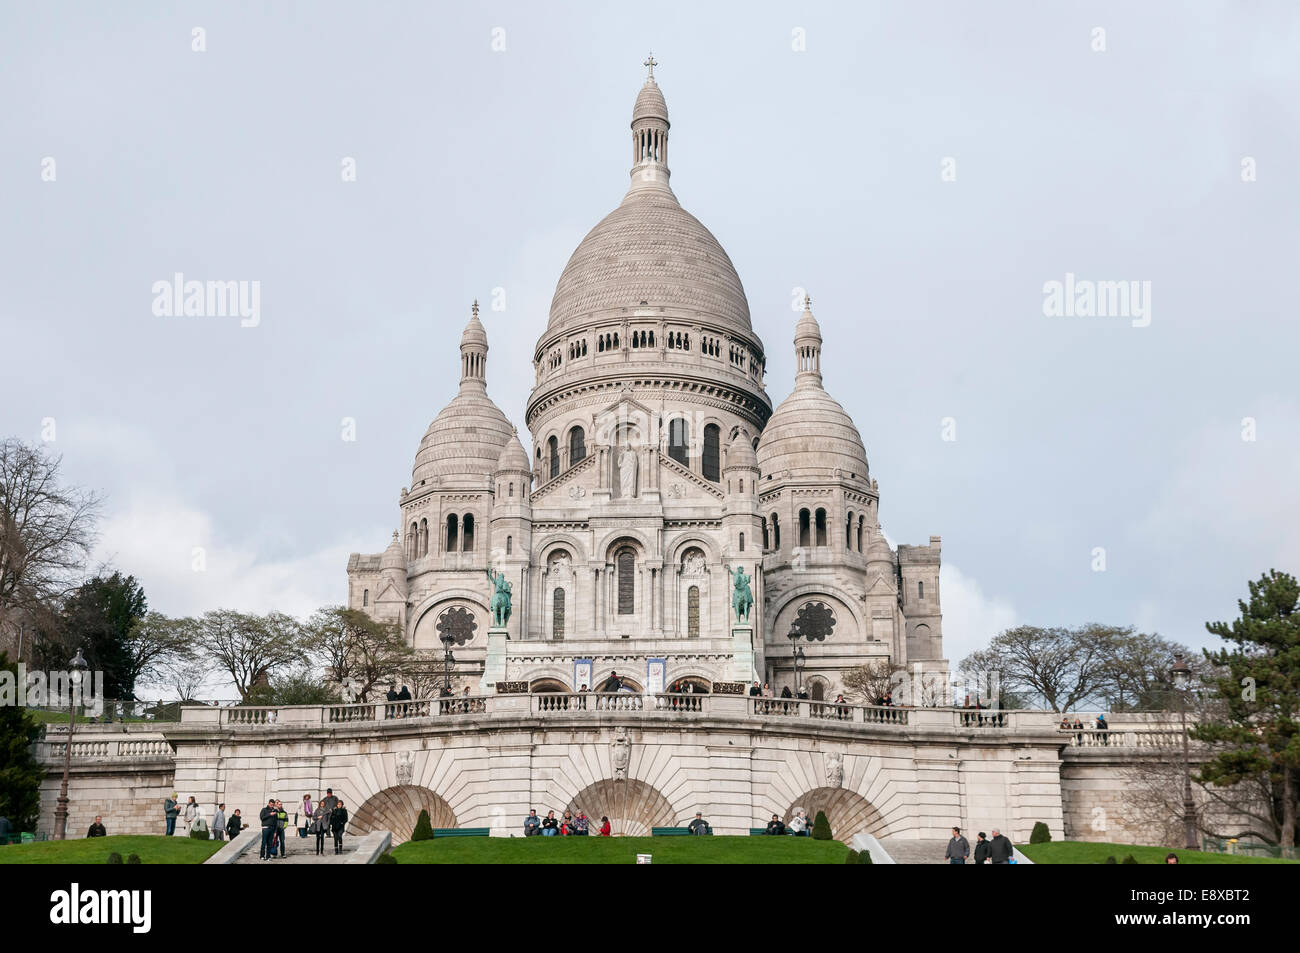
x,y
905,850
303,851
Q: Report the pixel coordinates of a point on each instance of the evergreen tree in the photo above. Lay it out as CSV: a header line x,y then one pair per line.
x,y
1255,737
821,827
20,775
1040,834
423,828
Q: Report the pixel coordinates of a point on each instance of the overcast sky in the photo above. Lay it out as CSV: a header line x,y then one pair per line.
x,y
821,167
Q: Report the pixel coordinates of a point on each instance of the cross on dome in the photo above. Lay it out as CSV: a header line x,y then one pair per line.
x,y
650,64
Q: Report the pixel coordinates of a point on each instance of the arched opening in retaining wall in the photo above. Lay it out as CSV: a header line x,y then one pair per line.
x,y
633,807
849,813
397,809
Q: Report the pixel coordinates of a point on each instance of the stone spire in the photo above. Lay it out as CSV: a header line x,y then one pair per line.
x,y
807,348
650,135
473,351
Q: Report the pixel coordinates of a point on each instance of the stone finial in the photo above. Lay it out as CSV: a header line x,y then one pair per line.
x,y
650,64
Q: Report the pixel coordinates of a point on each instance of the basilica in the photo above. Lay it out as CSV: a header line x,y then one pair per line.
x,y
658,469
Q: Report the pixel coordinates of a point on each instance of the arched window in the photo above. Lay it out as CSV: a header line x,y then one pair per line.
x,y
693,612
679,438
776,531
512,488
453,537
920,589
553,448
862,523
424,537
767,538
805,529
626,562
557,614
577,446
365,597
413,542
848,533
709,461
467,533
510,545
821,527
742,542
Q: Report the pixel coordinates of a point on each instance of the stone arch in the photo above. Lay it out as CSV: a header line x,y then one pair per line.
x,y
624,536
820,589
633,682
847,811
396,809
548,684
553,541
423,631
677,548
633,807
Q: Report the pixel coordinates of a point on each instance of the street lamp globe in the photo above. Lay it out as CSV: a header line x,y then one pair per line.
x,y
1180,673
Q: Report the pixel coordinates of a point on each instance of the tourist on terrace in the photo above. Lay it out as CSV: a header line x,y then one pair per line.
x,y
191,813
699,825
581,824
755,691
338,821
281,828
981,848
532,823
234,824
1065,722
267,817
1000,849
219,823
171,810
550,826
97,828
320,823
958,848
799,824
775,827
604,827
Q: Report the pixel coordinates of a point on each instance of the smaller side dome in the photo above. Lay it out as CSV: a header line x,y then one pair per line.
x,y
393,557
740,454
879,552
513,457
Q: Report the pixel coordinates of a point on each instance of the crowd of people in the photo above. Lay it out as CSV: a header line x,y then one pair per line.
x,y
570,825
998,850
327,817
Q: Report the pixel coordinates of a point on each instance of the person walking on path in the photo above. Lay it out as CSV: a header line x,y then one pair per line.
x,y
320,826
234,825
1000,849
171,810
219,823
329,801
338,821
958,848
267,818
981,849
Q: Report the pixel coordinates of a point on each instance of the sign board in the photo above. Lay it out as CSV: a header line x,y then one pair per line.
x,y
655,669
512,688
643,858
728,688
582,673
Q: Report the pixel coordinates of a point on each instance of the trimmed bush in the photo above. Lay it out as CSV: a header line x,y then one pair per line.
x,y
864,857
821,827
1130,859
423,827
199,834
1111,859
114,858
1040,834
387,858
133,858
851,857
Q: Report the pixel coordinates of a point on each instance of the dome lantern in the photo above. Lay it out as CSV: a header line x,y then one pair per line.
x,y
473,350
650,134
808,348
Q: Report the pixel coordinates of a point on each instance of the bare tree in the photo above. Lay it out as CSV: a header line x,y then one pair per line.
x,y
868,683
156,645
47,533
1064,667
360,651
248,647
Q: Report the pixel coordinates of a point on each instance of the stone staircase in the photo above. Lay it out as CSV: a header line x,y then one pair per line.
x,y
906,850
303,851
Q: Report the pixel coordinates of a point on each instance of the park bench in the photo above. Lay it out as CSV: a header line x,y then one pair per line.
x,y
461,831
669,832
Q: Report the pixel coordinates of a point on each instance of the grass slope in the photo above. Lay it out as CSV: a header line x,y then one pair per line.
x,y
621,850
95,850
1079,852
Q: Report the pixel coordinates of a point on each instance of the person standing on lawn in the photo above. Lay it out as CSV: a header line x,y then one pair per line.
x,y
171,810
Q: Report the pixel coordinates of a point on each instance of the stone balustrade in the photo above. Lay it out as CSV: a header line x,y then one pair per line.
x,y
105,749
1147,737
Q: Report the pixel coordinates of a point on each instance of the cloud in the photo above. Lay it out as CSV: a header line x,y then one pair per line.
x,y
970,618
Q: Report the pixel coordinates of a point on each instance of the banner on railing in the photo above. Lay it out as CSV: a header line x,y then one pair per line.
x,y
728,688
512,688
655,669
582,675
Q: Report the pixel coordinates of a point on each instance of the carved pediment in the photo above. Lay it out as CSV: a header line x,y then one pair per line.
x,y
574,485
880,585
677,483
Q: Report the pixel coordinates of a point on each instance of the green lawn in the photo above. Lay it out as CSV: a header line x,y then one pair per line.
x,y
1079,852
621,850
95,850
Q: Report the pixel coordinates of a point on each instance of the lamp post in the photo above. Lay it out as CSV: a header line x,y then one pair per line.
x,y
1182,677
61,812
794,635
447,662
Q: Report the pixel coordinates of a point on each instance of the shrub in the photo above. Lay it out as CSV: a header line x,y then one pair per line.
x,y
133,858
197,833
423,828
851,857
1040,834
864,857
821,827
114,858
1111,859
385,859
1130,859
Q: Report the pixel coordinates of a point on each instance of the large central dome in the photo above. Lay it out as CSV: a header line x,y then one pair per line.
x,y
649,250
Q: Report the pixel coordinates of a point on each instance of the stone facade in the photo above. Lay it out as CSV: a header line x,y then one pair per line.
x,y
658,466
